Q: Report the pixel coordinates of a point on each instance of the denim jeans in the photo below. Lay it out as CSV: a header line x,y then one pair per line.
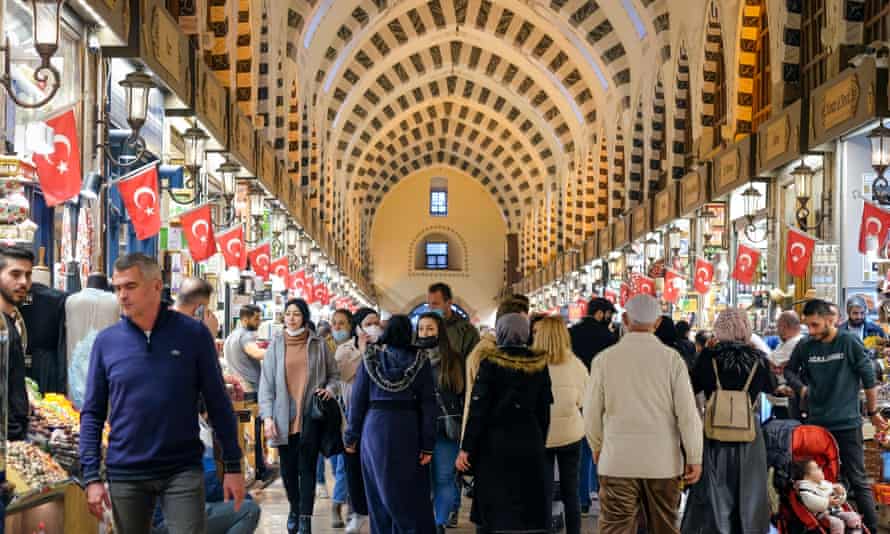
x,y
587,479
849,443
181,496
319,471
445,491
338,467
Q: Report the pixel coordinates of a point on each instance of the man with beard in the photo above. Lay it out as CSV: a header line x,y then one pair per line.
x,y
193,300
242,353
16,264
857,323
828,368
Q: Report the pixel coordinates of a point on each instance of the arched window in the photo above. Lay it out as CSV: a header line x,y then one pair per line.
x,y
877,20
438,249
754,81
813,54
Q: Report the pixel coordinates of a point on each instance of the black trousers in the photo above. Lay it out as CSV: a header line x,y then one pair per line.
x,y
568,458
852,454
299,459
355,483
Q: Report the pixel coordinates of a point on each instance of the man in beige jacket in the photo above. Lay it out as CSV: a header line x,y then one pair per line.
x,y
639,410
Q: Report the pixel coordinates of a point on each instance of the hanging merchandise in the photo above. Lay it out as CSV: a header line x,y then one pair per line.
x,y
59,172
798,252
704,275
279,268
259,260
874,226
140,193
673,285
746,263
231,244
196,225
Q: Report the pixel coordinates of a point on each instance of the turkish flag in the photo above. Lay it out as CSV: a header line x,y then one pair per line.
x,y
746,261
279,268
297,282
141,198
875,222
309,290
59,172
320,294
798,252
704,275
611,296
673,284
231,243
624,295
260,260
197,225
642,285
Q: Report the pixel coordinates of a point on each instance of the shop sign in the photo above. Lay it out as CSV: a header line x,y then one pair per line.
x,y
111,18
779,141
604,238
620,235
733,167
242,143
165,50
639,221
846,102
693,192
665,206
212,103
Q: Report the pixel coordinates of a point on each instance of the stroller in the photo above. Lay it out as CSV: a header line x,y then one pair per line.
x,y
788,442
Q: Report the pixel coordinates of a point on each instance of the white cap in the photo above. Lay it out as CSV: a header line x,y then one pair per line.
x,y
642,309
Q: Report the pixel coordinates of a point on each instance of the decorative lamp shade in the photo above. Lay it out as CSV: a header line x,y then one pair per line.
x,y
195,144
305,245
137,86
279,221
292,236
803,181
228,172
257,203
314,255
47,18
880,148
752,198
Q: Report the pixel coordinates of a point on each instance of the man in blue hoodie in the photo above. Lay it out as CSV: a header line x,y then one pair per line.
x,y
146,375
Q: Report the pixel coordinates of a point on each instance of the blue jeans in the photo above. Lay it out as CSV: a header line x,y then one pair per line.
x,y
338,467
587,479
445,491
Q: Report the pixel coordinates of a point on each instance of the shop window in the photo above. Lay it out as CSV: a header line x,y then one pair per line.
x,y
438,197
436,255
877,20
762,78
813,54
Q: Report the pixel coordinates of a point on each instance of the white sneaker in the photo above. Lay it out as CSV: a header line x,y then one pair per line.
x,y
321,492
355,524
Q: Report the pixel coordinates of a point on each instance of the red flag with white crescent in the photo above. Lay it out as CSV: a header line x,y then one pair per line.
x,y
704,275
59,172
309,292
297,282
642,285
231,243
875,223
746,261
673,285
279,268
260,260
624,295
197,225
142,201
320,294
798,252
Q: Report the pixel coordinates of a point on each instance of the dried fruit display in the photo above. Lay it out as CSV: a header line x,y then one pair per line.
x,y
31,469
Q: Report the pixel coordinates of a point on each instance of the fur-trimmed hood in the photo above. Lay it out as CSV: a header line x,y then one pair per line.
x,y
515,358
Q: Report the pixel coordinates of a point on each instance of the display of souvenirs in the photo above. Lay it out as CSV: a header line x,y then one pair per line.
x,y
15,208
30,469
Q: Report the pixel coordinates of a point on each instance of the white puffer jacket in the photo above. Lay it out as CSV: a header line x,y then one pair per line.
x,y
569,383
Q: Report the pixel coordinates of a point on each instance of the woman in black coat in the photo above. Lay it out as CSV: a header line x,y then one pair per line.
x,y
506,432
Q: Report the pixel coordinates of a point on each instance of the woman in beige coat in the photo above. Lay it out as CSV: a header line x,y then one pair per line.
x,y
569,384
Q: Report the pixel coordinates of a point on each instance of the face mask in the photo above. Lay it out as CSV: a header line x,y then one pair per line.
x,y
374,332
427,342
340,335
296,332
440,313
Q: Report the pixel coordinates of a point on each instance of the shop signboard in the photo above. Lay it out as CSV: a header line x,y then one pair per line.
x,y
846,102
639,220
733,167
242,143
779,141
212,103
112,19
604,241
664,207
620,233
693,192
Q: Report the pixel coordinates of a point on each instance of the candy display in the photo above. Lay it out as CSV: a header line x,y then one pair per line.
x,y
55,427
31,469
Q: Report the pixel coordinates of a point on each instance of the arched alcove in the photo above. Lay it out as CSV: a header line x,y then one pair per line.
x,y
455,250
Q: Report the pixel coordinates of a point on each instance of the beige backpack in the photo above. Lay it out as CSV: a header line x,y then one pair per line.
x,y
729,414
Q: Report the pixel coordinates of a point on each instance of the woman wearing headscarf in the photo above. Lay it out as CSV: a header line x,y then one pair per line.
x,y
504,443
392,422
297,365
365,328
731,496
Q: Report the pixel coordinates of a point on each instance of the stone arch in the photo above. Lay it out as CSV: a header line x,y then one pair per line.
x,y
618,186
637,157
715,83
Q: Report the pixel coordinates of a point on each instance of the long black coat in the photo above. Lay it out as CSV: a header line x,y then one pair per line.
x,y
505,437
589,338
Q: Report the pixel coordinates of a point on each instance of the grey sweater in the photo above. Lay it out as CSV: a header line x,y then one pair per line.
x,y
274,399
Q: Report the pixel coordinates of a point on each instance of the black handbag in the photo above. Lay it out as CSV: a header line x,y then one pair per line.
x,y
317,408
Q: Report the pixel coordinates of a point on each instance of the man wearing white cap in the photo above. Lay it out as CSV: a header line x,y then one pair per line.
x,y
639,410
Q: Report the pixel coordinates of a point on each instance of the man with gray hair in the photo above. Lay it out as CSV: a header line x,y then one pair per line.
x,y
193,299
640,395
857,320
789,331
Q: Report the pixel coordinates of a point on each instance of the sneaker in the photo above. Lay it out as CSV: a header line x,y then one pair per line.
x,y
355,523
322,492
452,520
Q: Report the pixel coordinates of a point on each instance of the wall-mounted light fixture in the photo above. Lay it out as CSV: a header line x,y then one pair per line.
x,y
47,17
803,186
752,199
880,160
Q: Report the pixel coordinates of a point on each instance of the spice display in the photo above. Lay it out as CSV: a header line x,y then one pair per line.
x,y
31,469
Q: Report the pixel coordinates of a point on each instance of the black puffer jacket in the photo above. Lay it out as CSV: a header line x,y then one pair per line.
x,y
734,363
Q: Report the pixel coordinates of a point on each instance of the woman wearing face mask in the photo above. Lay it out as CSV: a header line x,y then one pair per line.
x,y
297,365
392,421
448,376
341,333
349,357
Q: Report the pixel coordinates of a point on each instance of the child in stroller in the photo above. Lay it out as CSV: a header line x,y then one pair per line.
x,y
823,498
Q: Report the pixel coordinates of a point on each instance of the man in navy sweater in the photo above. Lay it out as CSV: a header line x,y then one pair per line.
x,y
146,375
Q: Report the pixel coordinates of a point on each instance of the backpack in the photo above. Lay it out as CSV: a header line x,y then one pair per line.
x,y
729,414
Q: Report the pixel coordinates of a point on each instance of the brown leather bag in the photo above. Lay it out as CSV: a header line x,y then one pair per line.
x,y
729,414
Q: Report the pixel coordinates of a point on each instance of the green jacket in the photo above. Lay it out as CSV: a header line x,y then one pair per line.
x,y
462,335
